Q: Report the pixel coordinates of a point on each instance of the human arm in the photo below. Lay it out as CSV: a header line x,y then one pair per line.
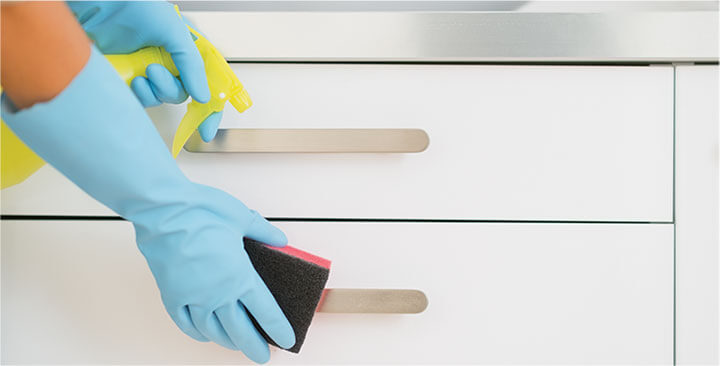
x,y
28,74
90,127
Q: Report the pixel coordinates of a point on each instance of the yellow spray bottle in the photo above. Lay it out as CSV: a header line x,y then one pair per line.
x,y
19,162
224,85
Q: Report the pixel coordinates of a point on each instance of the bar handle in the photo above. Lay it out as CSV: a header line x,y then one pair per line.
x,y
313,140
372,301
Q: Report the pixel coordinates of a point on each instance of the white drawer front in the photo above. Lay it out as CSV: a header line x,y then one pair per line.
x,y
506,142
75,292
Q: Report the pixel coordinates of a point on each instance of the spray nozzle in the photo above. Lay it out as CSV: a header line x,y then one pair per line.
x,y
224,86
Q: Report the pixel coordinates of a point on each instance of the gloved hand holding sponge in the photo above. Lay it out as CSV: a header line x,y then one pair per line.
x,y
97,134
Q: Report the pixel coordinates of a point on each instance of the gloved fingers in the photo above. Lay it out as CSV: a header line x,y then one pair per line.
x,y
263,231
188,61
165,86
262,305
242,332
143,91
209,325
182,319
208,129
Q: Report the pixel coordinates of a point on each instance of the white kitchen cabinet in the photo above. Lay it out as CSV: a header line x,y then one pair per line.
x,y
80,292
568,143
567,200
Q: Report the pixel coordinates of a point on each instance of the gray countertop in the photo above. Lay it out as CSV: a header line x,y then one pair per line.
x,y
461,31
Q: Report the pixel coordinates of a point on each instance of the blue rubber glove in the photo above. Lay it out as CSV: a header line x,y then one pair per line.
x,y
121,27
161,86
97,134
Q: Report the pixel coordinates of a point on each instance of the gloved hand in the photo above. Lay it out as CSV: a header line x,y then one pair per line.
x,y
97,134
121,27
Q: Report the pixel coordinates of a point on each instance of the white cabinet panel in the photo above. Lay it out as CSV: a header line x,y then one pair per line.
x,y
696,217
75,292
506,142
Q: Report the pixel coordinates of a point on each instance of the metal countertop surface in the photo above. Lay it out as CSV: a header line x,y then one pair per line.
x,y
602,32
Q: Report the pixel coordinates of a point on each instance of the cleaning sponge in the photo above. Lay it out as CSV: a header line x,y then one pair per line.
x,y
295,278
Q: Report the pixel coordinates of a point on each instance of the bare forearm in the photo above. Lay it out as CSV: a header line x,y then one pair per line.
x,y
43,48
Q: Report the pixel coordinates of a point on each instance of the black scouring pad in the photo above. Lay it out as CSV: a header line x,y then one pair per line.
x,y
295,278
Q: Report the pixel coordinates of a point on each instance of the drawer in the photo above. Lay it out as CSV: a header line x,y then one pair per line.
x,y
506,143
80,292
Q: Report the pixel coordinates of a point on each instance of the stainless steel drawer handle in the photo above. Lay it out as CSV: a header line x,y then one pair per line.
x,y
313,140
383,301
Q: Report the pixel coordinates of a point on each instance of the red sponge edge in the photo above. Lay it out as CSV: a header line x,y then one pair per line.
x,y
312,258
